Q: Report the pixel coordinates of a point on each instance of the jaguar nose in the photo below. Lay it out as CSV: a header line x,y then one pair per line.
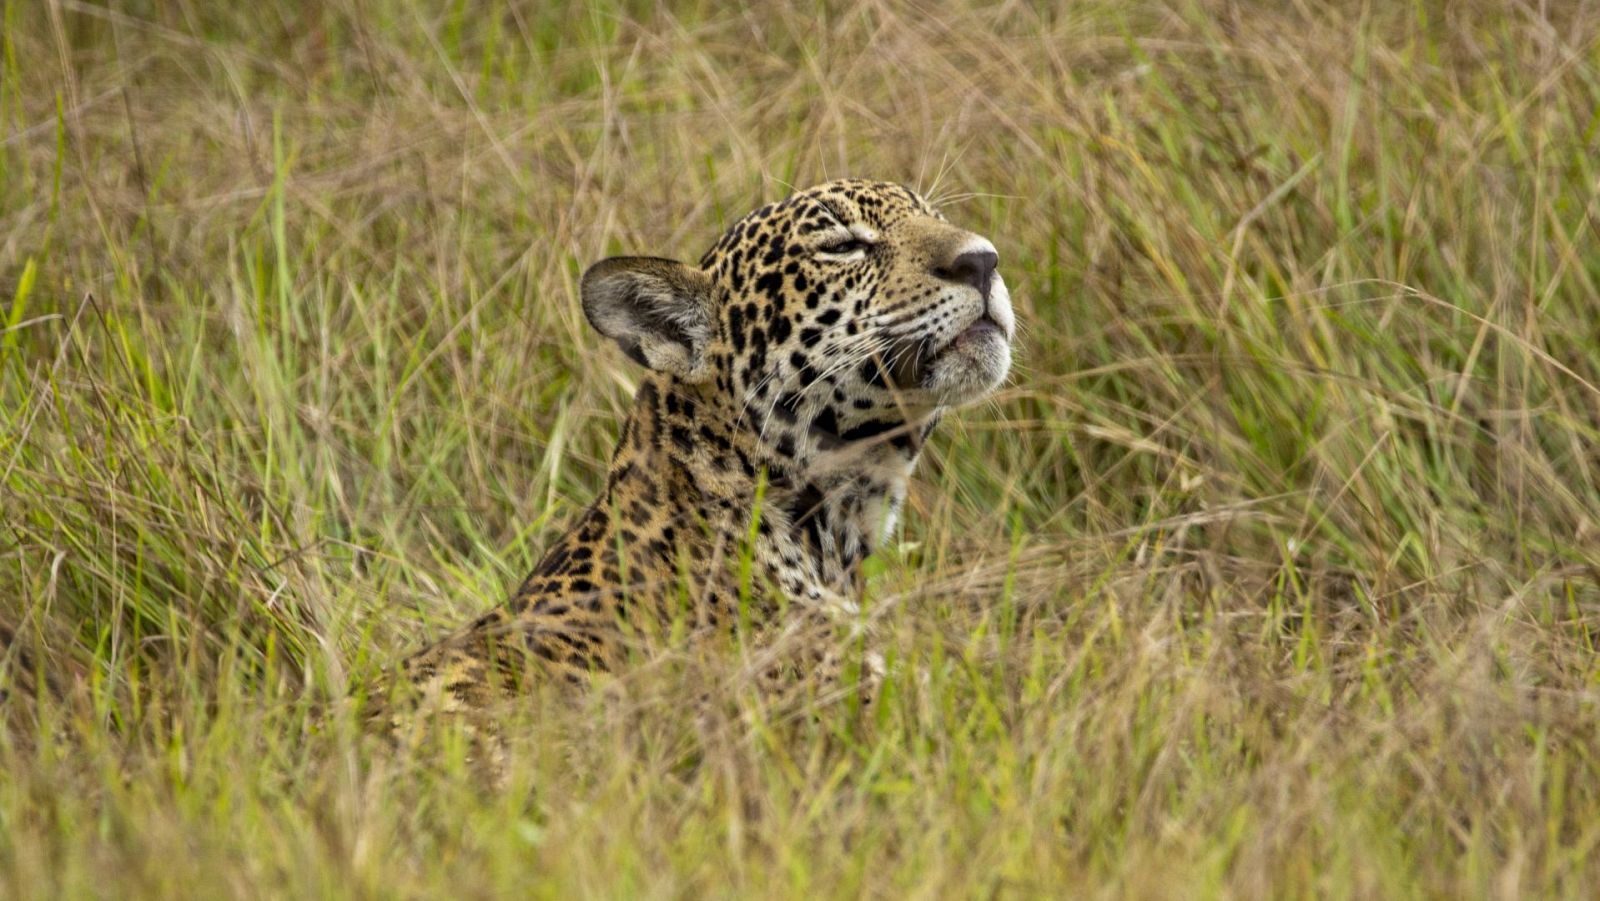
x,y
973,267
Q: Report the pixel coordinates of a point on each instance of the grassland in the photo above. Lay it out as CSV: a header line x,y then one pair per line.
x,y
1273,572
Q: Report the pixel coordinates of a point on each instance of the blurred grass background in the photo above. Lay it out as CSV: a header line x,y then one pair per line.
x,y
1274,570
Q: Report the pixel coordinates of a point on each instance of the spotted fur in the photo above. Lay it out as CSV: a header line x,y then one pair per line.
x,y
802,362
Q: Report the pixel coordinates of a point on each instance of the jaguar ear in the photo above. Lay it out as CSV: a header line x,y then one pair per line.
x,y
658,311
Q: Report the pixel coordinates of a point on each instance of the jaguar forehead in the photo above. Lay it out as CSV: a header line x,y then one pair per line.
x,y
831,210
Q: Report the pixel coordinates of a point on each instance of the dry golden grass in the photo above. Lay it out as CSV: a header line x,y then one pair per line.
x,y
1274,571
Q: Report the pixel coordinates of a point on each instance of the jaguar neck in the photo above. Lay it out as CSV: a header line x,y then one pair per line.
x,y
837,494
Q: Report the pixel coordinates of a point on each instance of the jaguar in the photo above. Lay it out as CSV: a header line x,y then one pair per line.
x,y
792,378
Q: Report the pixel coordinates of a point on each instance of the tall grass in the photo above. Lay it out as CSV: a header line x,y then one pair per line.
x,y
1275,569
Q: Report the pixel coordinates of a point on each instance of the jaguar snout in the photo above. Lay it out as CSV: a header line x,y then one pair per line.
x,y
967,351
